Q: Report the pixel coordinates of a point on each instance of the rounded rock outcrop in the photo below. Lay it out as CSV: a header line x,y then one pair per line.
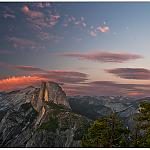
x,y
49,92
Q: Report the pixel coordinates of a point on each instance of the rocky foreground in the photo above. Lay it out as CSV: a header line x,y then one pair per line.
x,y
44,117
39,117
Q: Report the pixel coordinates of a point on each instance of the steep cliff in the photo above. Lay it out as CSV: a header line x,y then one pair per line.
x,y
49,92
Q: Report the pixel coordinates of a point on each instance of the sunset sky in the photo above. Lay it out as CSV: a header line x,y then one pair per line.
x,y
89,48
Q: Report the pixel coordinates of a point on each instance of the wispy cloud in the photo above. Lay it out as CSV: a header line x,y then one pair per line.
x,y
70,20
103,28
114,88
31,13
54,19
105,57
63,76
39,20
29,68
108,88
93,33
74,84
37,75
80,22
23,43
22,68
131,73
8,13
50,37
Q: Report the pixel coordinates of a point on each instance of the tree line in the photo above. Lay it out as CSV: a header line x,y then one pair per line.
x,y
110,131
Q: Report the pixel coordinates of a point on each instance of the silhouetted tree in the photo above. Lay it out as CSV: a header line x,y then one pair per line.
x,y
106,132
142,133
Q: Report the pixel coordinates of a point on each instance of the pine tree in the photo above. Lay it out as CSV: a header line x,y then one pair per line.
x,y
142,135
106,132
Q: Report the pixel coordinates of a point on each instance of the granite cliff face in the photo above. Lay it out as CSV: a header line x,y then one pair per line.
x,y
49,92
39,117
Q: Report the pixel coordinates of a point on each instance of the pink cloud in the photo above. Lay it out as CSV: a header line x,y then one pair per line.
x,y
71,20
103,29
31,13
107,88
29,68
100,88
63,76
18,82
54,19
105,57
22,68
23,43
49,37
39,20
44,35
38,75
58,74
93,33
67,73
131,73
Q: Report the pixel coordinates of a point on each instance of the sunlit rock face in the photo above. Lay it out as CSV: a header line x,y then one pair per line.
x,y
49,92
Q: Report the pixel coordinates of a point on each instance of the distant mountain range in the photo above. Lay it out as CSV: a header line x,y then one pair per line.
x,y
45,117
94,107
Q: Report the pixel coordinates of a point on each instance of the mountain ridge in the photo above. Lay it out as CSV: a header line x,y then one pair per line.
x,y
39,117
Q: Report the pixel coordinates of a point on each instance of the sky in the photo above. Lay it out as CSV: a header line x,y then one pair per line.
x,y
90,48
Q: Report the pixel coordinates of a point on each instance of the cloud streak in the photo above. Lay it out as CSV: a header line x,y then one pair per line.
x,y
63,76
131,73
57,75
70,80
108,88
14,83
105,57
29,68
39,75
23,43
9,13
